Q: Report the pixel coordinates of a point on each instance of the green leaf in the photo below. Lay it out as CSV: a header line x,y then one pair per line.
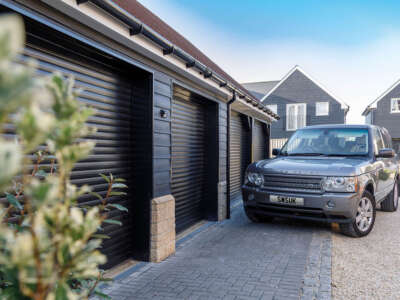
x,y
49,220
119,186
61,292
105,177
119,180
87,207
100,294
14,201
41,173
111,221
117,193
118,206
111,177
100,236
96,195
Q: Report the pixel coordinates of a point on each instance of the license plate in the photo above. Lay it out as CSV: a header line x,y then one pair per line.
x,y
286,200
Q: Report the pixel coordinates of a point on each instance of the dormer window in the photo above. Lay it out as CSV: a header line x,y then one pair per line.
x,y
395,105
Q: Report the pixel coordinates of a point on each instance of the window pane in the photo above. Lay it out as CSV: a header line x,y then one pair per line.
x,y
291,117
301,116
322,108
395,105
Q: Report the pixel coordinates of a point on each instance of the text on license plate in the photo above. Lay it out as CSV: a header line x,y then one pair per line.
x,y
286,200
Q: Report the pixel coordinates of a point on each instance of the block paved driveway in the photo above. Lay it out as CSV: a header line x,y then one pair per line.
x,y
237,259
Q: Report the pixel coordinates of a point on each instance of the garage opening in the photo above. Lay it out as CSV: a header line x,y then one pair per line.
x,y
260,142
121,95
240,152
194,158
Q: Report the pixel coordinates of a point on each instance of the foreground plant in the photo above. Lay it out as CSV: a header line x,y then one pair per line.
x,y
49,246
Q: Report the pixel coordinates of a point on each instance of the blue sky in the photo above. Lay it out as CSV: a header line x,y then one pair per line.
x,y
351,47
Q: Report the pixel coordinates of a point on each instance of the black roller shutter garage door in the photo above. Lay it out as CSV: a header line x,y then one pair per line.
x,y
107,87
240,149
260,141
188,159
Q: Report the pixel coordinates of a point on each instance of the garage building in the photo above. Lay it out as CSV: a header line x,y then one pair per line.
x,y
168,119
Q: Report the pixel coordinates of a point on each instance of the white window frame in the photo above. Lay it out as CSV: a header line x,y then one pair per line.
x,y
273,108
392,106
318,109
296,105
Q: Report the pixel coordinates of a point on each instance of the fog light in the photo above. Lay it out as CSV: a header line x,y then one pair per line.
x,y
330,204
250,197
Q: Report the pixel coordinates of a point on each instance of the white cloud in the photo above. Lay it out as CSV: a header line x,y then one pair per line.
x,y
356,74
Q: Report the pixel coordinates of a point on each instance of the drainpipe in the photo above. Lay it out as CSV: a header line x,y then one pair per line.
x,y
228,156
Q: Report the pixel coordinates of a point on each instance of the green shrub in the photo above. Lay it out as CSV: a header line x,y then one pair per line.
x,y
49,246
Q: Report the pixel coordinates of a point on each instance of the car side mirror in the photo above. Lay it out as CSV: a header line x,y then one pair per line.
x,y
386,153
276,151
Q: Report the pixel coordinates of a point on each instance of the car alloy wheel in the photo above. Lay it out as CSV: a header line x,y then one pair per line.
x,y
396,195
364,216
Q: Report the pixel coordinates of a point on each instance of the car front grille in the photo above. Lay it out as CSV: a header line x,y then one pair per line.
x,y
293,183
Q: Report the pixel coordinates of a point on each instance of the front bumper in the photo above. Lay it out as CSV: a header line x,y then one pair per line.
x,y
315,206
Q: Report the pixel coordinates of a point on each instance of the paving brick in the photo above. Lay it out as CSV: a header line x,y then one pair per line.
x,y
237,259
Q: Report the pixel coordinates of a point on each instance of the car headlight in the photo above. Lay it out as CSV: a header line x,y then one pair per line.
x,y
340,184
255,178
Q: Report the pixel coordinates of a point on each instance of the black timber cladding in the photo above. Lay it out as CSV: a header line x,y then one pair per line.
x,y
298,88
382,115
162,135
223,128
121,96
240,151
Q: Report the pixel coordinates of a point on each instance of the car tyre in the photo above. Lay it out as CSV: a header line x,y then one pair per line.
x,y
257,218
364,220
392,200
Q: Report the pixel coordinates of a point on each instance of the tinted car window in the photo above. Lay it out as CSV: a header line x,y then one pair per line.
x,y
328,141
378,142
386,138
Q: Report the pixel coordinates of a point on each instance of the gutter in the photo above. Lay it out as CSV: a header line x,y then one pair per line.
x,y
228,156
367,110
137,27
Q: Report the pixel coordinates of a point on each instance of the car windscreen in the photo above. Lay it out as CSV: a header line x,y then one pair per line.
x,y
328,141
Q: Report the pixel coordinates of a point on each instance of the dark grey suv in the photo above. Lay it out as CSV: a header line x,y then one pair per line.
x,y
332,173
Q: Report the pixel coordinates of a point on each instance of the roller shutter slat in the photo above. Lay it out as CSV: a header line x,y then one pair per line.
x,y
110,93
188,160
260,141
240,140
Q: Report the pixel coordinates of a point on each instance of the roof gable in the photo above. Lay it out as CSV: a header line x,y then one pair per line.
x,y
375,102
298,70
261,88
